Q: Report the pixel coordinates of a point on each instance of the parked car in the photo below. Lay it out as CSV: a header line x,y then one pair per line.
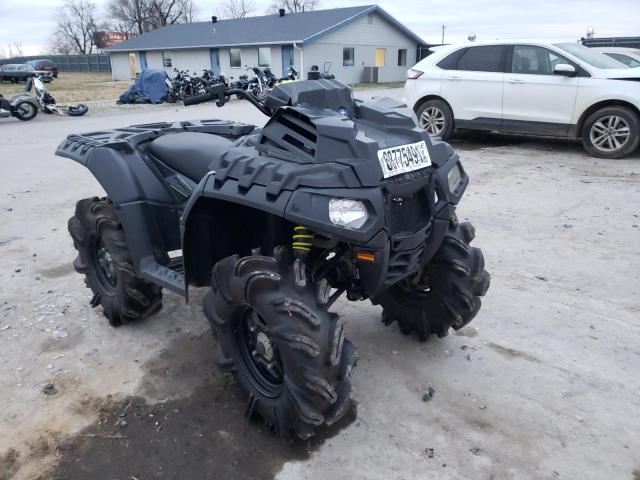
x,y
21,72
45,65
531,87
629,56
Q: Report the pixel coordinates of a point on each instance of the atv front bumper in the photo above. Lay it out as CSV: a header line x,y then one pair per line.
x,y
407,221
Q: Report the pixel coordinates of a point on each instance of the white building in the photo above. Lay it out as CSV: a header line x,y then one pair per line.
x,y
350,39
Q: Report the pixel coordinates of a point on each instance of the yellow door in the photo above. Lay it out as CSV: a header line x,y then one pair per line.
x,y
133,65
380,55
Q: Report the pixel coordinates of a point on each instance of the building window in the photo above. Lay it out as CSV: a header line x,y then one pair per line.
x,y
402,57
235,61
348,56
370,19
166,59
264,57
381,53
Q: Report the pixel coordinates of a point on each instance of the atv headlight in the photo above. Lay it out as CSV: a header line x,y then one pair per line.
x,y
347,213
454,177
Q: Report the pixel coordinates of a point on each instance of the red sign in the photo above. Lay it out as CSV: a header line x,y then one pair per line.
x,y
106,39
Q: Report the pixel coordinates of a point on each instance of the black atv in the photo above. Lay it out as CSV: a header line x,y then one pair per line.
x,y
333,195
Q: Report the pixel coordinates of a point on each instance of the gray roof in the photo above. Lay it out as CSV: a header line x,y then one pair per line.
x,y
302,27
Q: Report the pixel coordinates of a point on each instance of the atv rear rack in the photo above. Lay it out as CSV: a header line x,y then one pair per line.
x,y
78,147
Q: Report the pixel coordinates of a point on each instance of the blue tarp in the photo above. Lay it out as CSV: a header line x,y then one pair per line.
x,y
150,87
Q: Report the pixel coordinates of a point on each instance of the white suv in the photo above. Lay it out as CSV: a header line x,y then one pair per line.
x,y
561,89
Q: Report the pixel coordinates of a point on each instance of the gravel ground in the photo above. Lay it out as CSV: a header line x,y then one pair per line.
x,y
543,384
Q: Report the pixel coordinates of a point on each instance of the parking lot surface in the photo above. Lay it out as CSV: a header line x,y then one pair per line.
x,y
543,384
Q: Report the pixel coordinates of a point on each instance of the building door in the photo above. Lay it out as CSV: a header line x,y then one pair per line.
x,y
215,61
133,65
143,60
381,53
287,59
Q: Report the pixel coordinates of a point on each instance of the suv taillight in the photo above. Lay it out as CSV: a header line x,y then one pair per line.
x,y
413,74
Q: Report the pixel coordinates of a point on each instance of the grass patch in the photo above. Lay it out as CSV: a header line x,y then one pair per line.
x,y
76,87
83,87
357,86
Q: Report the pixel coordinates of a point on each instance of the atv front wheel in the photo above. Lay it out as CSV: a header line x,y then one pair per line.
x,y
105,260
446,293
285,350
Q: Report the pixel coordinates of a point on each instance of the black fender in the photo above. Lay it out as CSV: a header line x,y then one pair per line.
x,y
148,212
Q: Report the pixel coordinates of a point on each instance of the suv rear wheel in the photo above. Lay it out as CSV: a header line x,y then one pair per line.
x,y
611,132
436,117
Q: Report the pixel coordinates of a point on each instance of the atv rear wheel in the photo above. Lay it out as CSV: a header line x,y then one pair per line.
x,y
285,350
105,260
446,293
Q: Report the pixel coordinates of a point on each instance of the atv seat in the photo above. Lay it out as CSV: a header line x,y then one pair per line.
x,y
190,153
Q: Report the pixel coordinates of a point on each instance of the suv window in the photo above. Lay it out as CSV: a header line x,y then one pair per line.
x,y
450,62
632,62
482,59
532,60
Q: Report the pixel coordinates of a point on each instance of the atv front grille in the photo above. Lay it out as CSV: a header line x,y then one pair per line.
x,y
405,257
408,213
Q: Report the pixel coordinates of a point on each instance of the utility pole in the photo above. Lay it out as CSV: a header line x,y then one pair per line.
x,y
443,28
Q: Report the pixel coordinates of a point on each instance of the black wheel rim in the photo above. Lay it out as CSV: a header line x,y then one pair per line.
x,y
105,266
418,284
257,354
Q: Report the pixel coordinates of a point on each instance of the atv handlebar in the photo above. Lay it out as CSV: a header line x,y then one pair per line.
x,y
196,99
220,93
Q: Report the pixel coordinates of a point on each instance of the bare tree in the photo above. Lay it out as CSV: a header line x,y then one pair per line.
x,y
75,27
236,8
15,50
131,15
293,6
189,11
167,12
140,16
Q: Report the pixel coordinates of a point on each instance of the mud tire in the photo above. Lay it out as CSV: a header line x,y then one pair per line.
x,y
96,225
316,360
457,280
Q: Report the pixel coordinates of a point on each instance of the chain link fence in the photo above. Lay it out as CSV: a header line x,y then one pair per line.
x,y
70,63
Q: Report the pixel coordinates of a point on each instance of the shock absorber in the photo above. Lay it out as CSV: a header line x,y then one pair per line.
x,y
301,245
302,240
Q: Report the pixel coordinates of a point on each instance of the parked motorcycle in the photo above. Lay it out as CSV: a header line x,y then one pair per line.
x,y
184,84
21,106
47,102
292,74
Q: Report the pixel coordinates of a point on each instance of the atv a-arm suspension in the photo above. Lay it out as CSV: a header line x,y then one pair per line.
x,y
328,262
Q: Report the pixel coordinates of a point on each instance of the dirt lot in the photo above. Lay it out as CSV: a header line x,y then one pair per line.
x,y
76,87
543,384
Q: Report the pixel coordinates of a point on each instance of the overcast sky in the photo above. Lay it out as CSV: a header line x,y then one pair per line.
x,y
30,22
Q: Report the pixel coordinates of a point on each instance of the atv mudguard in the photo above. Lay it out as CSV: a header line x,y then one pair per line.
x,y
147,208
